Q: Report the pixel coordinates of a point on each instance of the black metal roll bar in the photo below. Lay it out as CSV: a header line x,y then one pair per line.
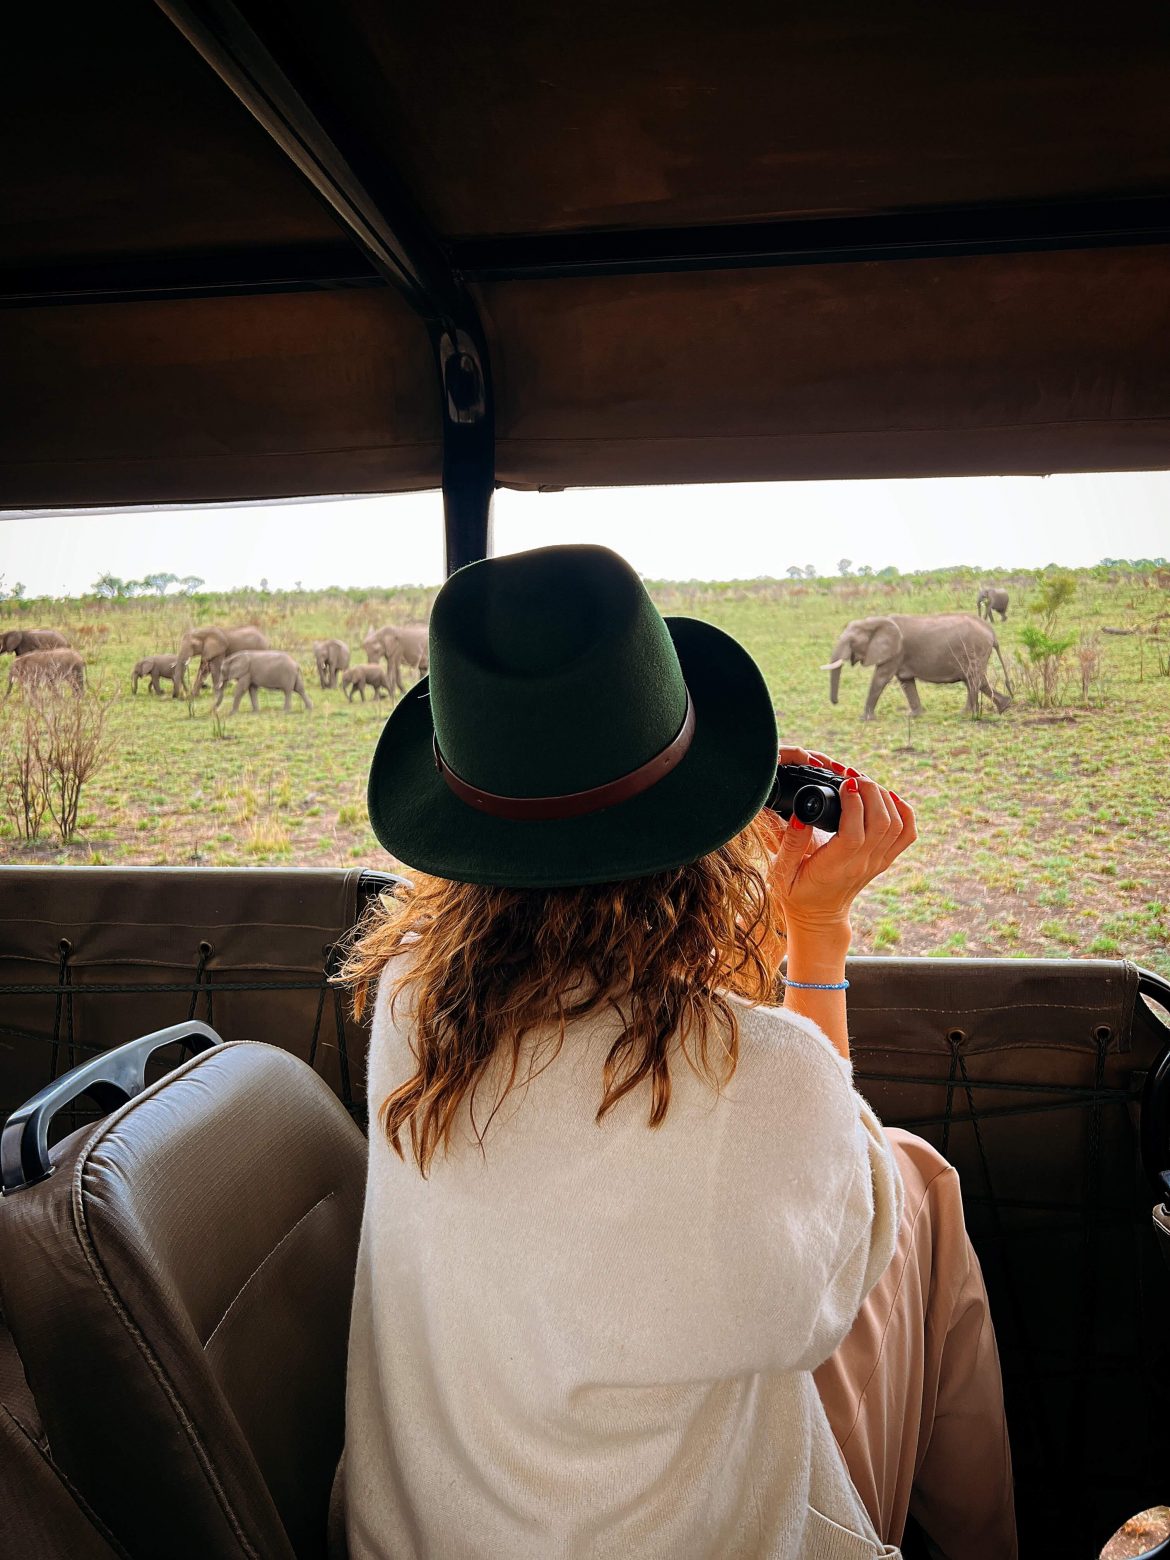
x,y
318,137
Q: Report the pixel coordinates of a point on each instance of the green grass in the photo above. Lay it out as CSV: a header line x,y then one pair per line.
x,y
1037,835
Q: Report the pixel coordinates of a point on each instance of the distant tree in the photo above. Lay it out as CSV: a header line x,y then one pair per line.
x,y
157,584
109,586
189,584
810,571
845,566
866,571
264,585
795,572
888,573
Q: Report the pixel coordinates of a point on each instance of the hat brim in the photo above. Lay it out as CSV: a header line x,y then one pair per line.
x,y
713,793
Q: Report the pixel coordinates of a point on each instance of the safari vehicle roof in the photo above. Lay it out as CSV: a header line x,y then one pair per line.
x,y
285,247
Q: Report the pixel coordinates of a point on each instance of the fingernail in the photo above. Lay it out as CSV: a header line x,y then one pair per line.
x,y
836,767
850,784
853,775
895,795
795,823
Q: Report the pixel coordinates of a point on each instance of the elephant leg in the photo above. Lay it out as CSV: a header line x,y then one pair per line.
x,y
240,686
299,687
1000,700
910,689
880,679
288,693
255,698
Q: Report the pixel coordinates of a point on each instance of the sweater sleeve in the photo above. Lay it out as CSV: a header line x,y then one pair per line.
x,y
818,1198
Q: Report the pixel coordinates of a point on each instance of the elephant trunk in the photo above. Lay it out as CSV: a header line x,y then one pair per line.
x,y
833,667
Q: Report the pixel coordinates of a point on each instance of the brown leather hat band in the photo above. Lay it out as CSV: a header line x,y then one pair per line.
x,y
576,803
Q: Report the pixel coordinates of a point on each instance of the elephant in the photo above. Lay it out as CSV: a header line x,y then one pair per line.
x,y
46,667
23,641
154,667
211,644
948,648
995,600
252,669
332,656
371,675
401,647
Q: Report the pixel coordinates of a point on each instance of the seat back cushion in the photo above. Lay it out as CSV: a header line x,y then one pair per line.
x,y
179,1291
41,1516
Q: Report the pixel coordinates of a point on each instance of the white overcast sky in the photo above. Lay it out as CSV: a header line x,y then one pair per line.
x,y
734,531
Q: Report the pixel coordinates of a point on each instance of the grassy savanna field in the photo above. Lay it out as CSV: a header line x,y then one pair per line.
x,y
1044,831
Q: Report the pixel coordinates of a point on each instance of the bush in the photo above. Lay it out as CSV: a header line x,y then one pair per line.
x,y
1043,673
54,742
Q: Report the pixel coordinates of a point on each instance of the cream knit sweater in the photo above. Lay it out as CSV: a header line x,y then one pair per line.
x,y
596,1340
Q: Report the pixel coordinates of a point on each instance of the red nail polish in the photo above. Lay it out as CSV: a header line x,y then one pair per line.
x,y
795,823
853,775
851,784
836,767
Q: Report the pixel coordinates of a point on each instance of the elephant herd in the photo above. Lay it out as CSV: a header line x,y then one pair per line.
x,y
949,647
44,656
244,657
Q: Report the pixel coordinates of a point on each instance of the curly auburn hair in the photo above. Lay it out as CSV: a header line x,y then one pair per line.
x,y
489,966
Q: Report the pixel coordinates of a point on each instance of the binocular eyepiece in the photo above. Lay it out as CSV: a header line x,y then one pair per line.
x,y
808,793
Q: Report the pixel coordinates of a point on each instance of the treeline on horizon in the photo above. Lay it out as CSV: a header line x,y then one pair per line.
x,y
152,589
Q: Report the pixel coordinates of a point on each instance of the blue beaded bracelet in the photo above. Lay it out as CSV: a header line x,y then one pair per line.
x,y
813,985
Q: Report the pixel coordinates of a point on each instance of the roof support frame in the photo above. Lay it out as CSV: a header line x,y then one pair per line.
x,y
368,199
930,233
218,274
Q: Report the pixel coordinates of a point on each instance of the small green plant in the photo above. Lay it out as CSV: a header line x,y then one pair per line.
x,y
1043,671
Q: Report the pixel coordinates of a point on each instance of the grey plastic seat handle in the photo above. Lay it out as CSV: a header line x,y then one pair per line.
x,y
109,1079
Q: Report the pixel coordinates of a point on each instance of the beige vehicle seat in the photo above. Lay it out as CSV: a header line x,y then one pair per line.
x,y
178,1289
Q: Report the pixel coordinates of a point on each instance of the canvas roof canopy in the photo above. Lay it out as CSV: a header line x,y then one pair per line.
x,y
266,248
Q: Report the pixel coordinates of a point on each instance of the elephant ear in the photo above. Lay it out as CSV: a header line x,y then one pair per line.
x,y
885,642
214,643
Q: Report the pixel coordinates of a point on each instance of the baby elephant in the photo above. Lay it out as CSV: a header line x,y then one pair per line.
x,y
154,667
252,669
332,656
363,677
48,668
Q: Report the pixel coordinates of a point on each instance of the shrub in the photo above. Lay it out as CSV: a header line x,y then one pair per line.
x,y
55,743
1043,672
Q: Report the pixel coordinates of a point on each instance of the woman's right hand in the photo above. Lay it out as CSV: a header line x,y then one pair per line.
x,y
815,883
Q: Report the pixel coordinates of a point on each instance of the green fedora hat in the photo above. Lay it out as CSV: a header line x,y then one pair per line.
x,y
567,733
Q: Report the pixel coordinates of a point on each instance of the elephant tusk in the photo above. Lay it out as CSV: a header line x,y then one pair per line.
x,y
832,666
